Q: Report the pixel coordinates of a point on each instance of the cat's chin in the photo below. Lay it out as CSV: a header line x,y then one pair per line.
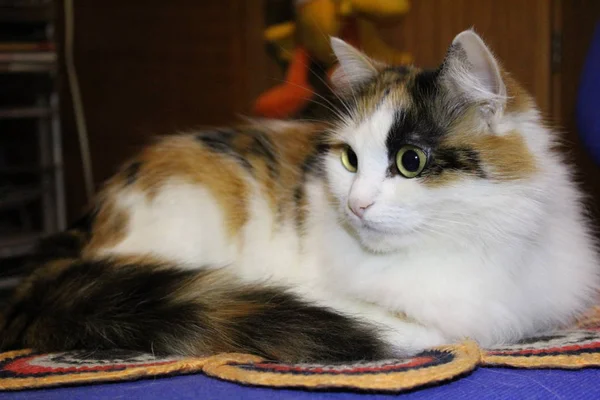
x,y
384,242
380,239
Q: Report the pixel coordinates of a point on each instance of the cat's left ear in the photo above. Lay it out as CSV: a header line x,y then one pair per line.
x,y
354,67
471,71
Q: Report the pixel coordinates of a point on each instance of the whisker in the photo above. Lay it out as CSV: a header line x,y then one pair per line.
x,y
310,70
331,106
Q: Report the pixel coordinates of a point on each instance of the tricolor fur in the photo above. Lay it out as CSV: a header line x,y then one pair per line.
x,y
260,239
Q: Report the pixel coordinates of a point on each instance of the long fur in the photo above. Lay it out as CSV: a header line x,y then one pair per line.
x,y
242,239
145,306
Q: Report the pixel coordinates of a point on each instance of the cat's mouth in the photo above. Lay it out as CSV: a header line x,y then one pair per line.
x,y
365,226
361,226
374,228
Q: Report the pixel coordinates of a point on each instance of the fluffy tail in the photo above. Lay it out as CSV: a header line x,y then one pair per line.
x,y
67,244
73,304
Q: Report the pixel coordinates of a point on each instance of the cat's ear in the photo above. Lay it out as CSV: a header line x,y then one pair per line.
x,y
471,70
354,66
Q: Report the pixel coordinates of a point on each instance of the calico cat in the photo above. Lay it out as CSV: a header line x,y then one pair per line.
x,y
433,207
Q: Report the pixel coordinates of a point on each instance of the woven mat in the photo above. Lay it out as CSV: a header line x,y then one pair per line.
x,y
569,349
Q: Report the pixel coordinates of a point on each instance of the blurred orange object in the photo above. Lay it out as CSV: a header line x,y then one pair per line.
x,y
288,98
306,42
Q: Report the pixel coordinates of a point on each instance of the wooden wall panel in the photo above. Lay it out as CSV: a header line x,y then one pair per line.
x,y
149,67
518,31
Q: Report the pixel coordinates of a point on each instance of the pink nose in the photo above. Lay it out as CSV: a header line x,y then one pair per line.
x,y
359,207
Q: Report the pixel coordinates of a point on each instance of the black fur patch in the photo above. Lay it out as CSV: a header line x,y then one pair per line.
x,y
308,329
299,196
86,221
412,127
60,245
423,125
132,171
67,244
169,311
220,141
455,159
263,147
424,88
312,165
400,70
417,125
217,140
90,306
313,162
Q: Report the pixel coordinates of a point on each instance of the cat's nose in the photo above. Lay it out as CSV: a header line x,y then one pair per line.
x,y
358,207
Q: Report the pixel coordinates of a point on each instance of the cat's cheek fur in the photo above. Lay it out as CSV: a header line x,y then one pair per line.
x,y
339,182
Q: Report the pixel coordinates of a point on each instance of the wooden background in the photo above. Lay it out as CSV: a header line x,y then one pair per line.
x,y
149,67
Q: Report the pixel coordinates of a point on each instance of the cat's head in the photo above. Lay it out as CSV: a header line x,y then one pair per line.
x,y
450,153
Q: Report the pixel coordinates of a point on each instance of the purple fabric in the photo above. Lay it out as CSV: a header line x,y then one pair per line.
x,y
588,100
485,383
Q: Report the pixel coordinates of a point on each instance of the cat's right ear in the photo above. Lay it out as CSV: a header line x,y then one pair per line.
x,y
471,71
354,66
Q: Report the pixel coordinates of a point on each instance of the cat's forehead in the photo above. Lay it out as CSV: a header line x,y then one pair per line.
x,y
403,105
393,84
410,106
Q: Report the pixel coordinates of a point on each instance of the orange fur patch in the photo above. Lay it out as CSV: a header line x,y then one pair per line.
x,y
109,226
184,157
274,158
446,178
295,147
507,155
394,82
519,100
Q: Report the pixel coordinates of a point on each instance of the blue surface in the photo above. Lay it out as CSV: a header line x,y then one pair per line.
x,y
588,99
485,383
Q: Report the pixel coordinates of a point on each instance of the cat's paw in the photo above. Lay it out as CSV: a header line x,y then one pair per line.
x,y
410,339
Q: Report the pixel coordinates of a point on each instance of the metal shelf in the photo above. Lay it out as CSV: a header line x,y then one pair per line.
x,y
18,244
17,197
12,46
28,57
37,207
27,169
27,13
20,67
25,112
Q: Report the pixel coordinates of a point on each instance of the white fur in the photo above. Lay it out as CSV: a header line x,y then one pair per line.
x,y
163,226
477,75
354,67
492,261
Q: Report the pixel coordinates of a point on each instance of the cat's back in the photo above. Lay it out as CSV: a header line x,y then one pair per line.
x,y
197,198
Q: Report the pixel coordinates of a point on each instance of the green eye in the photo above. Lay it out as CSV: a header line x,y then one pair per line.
x,y
410,161
349,160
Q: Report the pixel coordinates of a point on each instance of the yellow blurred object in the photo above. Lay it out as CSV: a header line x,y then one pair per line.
x,y
374,46
305,43
380,8
282,37
345,8
316,21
